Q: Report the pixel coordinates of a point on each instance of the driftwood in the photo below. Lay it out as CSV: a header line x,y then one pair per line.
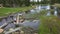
x,y
6,23
16,29
3,25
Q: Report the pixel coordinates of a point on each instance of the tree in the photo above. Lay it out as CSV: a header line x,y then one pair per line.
x,y
37,1
27,2
54,1
15,3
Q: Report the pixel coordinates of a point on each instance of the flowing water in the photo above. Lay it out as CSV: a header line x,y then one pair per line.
x,y
34,23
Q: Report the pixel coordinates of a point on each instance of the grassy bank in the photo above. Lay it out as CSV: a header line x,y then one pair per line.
x,y
49,24
6,11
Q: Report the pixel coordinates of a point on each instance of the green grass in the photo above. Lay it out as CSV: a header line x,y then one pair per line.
x,y
49,24
6,11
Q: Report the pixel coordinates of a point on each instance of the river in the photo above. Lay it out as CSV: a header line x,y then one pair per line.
x,y
34,23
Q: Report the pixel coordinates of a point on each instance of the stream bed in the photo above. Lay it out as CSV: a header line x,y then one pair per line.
x,y
33,23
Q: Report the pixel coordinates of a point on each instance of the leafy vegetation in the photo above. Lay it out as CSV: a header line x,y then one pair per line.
x,y
15,3
43,12
49,25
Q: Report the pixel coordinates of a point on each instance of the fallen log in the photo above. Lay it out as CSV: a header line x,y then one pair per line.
x,y
14,30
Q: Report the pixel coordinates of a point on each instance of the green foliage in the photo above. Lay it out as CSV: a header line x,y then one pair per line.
x,y
52,11
54,1
15,3
44,2
43,12
49,25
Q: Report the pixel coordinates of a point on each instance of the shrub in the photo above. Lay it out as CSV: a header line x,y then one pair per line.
x,y
49,25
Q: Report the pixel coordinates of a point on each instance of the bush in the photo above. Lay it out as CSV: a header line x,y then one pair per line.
x,y
43,12
49,25
52,11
